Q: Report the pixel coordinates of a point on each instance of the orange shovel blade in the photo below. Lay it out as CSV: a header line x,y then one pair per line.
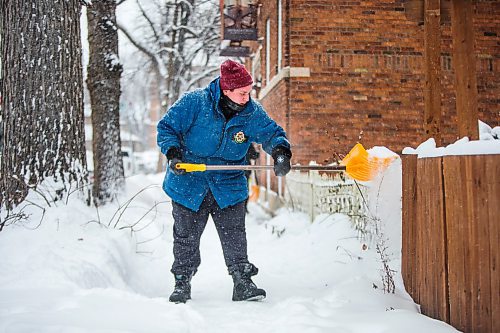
x,y
361,166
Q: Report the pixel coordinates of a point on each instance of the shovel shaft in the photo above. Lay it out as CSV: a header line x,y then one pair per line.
x,y
331,168
335,168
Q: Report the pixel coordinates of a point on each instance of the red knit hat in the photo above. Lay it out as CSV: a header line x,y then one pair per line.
x,y
233,76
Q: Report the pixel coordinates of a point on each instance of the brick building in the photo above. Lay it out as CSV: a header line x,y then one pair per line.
x,y
337,72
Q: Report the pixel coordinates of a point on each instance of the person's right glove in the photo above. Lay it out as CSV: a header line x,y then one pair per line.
x,y
174,156
281,156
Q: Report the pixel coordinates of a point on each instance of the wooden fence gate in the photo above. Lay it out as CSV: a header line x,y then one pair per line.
x,y
450,254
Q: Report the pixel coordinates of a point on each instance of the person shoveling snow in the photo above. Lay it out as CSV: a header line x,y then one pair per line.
x,y
216,125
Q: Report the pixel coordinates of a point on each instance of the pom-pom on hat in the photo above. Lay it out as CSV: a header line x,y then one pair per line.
x,y
234,75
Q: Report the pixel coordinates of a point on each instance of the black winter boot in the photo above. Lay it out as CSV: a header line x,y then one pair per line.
x,y
244,289
182,291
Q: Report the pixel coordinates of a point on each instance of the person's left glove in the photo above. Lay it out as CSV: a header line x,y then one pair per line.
x,y
281,156
174,156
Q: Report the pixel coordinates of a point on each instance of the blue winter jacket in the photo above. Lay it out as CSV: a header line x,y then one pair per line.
x,y
197,126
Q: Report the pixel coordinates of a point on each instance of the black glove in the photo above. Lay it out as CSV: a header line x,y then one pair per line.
x,y
281,156
174,156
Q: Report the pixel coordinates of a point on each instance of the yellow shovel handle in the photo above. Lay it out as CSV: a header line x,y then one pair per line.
x,y
189,167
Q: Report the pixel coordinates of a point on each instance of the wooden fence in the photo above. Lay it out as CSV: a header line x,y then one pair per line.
x,y
450,253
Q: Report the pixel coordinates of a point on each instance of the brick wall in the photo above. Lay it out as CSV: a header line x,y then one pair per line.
x,y
366,64
487,37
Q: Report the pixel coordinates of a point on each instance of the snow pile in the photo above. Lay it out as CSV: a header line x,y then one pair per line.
x,y
488,143
488,133
381,152
82,270
385,207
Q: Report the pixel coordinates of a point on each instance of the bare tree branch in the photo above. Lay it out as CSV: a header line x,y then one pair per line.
x,y
146,17
134,42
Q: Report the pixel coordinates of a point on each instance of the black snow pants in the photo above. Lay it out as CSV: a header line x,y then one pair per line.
x,y
189,226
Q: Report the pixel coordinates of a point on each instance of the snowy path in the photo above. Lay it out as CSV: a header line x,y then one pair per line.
x,y
75,277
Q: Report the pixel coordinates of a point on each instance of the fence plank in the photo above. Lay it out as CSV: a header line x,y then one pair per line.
x,y
431,244
409,227
458,247
493,210
481,315
472,209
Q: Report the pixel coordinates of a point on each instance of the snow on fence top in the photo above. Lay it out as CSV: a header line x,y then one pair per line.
x,y
488,143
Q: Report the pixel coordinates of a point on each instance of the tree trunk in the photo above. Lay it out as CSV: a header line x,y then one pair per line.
x,y
42,92
103,82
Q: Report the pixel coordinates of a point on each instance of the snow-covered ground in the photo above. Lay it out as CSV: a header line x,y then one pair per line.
x,y
71,268
82,270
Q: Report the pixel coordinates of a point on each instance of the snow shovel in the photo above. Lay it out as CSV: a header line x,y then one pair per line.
x,y
358,164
